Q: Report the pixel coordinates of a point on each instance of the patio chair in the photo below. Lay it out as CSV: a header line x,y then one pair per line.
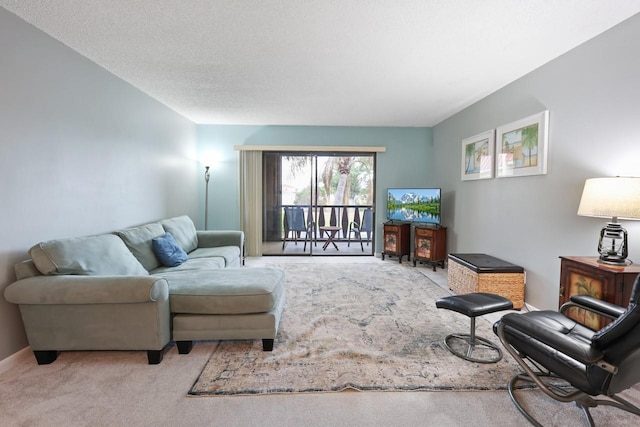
x,y
363,226
294,222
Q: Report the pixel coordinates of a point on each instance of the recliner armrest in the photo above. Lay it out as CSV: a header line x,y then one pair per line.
x,y
594,305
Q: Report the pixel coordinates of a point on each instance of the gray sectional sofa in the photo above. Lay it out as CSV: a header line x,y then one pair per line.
x,y
113,292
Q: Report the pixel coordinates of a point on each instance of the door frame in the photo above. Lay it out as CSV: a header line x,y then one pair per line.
x,y
322,215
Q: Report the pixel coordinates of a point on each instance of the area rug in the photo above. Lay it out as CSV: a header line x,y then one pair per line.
x,y
361,326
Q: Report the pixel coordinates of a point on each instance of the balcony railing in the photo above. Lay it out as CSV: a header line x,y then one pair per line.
x,y
332,215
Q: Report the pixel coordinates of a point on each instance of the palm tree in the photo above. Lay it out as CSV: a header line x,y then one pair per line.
x,y
584,286
470,150
530,140
326,176
297,163
343,165
361,180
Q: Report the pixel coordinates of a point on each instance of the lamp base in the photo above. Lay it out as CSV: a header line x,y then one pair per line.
x,y
617,263
613,246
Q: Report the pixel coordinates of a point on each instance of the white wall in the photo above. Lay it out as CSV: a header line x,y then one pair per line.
x,y
81,152
593,95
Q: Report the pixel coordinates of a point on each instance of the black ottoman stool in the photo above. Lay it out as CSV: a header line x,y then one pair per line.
x,y
472,305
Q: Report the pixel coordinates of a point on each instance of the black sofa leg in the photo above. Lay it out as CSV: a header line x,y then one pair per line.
x,y
44,357
267,344
184,347
155,356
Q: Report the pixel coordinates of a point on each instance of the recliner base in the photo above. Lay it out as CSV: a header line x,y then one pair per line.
x,y
566,393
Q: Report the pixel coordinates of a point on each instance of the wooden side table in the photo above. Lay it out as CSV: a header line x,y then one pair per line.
x,y
430,245
586,276
396,240
332,232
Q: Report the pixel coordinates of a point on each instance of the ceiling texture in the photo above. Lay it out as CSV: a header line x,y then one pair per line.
x,y
321,62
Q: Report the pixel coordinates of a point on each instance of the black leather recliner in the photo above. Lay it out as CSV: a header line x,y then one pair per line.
x,y
593,365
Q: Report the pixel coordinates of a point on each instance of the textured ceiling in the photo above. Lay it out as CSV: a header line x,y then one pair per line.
x,y
321,62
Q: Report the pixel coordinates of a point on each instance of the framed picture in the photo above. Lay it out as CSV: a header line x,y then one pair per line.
x,y
521,147
477,156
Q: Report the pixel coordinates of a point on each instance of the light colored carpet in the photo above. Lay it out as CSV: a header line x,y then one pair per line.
x,y
104,388
355,326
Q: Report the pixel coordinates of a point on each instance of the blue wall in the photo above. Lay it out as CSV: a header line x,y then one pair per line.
x,y
81,152
405,162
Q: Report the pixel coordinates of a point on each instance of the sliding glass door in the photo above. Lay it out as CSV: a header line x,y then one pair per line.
x,y
318,203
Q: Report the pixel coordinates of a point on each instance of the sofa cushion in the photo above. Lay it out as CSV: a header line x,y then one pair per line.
x,y
211,263
230,254
138,240
101,255
26,269
183,230
225,291
168,251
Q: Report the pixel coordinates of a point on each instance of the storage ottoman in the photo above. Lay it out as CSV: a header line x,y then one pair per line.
x,y
468,273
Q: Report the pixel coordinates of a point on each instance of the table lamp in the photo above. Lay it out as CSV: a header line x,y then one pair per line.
x,y
615,198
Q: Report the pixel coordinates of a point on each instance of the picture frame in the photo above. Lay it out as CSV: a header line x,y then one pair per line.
x,y
477,156
522,146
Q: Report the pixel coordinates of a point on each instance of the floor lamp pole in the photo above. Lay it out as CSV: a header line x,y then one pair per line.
x,y
206,197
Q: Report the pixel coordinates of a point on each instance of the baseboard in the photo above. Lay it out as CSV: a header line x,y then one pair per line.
x,y
14,359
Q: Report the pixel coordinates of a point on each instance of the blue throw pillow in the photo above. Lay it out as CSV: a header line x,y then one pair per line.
x,y
169,253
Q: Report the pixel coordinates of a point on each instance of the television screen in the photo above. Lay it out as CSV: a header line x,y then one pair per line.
x,y
414,205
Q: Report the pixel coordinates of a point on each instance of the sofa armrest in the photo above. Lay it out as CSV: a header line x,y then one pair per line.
x,y
215,238
43,290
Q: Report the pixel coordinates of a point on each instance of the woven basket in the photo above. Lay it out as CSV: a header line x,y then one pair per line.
x,y
462,280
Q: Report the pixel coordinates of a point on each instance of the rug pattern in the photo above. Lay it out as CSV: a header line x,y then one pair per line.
x,y
354,326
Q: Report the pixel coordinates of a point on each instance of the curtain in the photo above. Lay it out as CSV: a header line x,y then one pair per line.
x,y
251,201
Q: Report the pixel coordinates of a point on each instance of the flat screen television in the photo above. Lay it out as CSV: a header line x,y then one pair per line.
x,y
420,205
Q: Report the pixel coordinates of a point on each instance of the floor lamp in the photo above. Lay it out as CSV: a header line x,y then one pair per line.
x,y
206,197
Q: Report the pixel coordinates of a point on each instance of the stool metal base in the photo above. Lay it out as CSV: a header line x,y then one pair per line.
x,y
472,341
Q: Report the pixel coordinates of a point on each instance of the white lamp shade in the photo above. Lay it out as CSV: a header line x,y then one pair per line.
x,y
614,197
208,158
